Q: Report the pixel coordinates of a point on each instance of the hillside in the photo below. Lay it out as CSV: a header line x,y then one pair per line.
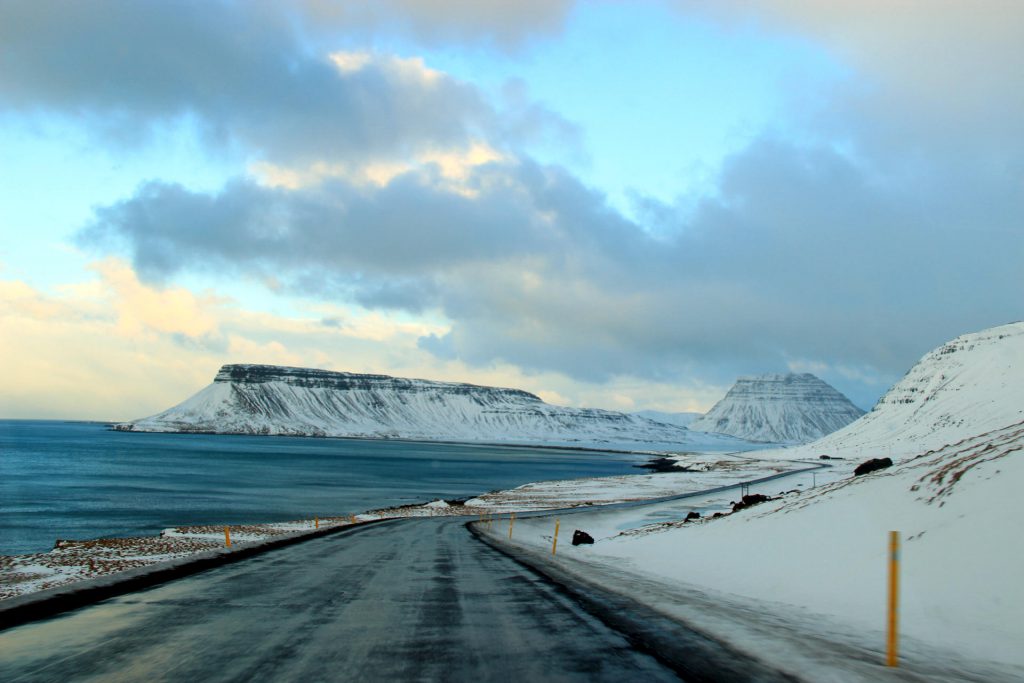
x,y
266,399
807,569
968,386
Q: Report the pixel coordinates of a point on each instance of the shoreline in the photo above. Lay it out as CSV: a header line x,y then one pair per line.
x,y
445,442
72,561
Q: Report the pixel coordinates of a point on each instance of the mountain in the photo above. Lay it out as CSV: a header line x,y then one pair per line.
x,y
678,419
793,408
968,386
268,399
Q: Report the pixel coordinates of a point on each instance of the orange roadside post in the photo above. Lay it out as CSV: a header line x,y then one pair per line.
x,y
511,523
892,644
554,542
227,537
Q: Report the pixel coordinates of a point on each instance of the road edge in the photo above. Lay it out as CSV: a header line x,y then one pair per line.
x,y
692,654
44,604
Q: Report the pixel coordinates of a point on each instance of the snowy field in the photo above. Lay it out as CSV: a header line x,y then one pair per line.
x,y
803,576
815,561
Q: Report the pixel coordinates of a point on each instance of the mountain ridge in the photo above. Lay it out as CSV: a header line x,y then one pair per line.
x,y
779,408
282,400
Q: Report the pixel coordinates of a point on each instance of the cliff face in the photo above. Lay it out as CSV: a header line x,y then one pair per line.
x,y
309,378
267,399
792,408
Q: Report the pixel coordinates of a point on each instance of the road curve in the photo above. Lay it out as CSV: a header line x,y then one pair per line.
x,y
403,600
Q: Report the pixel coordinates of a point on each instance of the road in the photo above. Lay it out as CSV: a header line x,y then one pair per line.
x,y
401,600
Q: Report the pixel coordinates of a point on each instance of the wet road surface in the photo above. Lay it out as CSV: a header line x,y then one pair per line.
x,y
418,600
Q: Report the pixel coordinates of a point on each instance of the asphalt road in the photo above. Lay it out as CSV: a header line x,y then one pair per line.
x,y
417,600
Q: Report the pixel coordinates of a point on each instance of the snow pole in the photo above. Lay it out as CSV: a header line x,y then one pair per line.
x,y
316,522
511,523
894,588
227,537
554,542
352,519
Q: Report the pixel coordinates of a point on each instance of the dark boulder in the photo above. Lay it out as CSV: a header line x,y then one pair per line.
x,y
750,499
692,515
663,465
872,465
582,537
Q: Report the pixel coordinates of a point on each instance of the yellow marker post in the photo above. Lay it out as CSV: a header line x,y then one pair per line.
x,y
892,656
316,522
554,543
511,523
227,537
352,519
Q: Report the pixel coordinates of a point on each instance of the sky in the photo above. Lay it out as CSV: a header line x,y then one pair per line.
x,y
622,205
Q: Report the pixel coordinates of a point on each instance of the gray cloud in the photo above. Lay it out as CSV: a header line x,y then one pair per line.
x,y
244,75
861,255
506,25
800,257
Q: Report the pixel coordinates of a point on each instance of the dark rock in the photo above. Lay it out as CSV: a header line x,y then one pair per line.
x,y
663,465
717,515
750,499
824,457
872,465
582,537
692,515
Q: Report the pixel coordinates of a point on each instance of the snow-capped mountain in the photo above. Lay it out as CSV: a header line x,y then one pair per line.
x,y
968,386
267,399
792,408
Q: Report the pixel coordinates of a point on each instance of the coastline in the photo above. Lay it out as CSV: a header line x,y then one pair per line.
x,y
73,561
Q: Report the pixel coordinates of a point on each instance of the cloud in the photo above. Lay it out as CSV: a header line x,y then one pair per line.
x,y
97,349
245,77
929,69
859,238
497,23
113,348
800,255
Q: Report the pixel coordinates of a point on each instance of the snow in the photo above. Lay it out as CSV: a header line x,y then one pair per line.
x,y
71,561
814,562
800,581
254,399
709,472
678,419
793,408
970,385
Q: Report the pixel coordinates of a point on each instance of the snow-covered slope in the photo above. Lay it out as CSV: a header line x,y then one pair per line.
x,y
814,562
970,385
267,399
793,408
678,419
823,552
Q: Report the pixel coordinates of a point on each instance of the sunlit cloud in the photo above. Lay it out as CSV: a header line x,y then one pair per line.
x,y
449,170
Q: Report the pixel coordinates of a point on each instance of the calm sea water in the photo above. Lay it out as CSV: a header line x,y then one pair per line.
x,y
79,480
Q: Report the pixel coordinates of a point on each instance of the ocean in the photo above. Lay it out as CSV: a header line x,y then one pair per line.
x,y
79,480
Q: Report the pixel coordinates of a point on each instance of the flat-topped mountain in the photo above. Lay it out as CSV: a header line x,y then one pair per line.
x,y
270,399
791,408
